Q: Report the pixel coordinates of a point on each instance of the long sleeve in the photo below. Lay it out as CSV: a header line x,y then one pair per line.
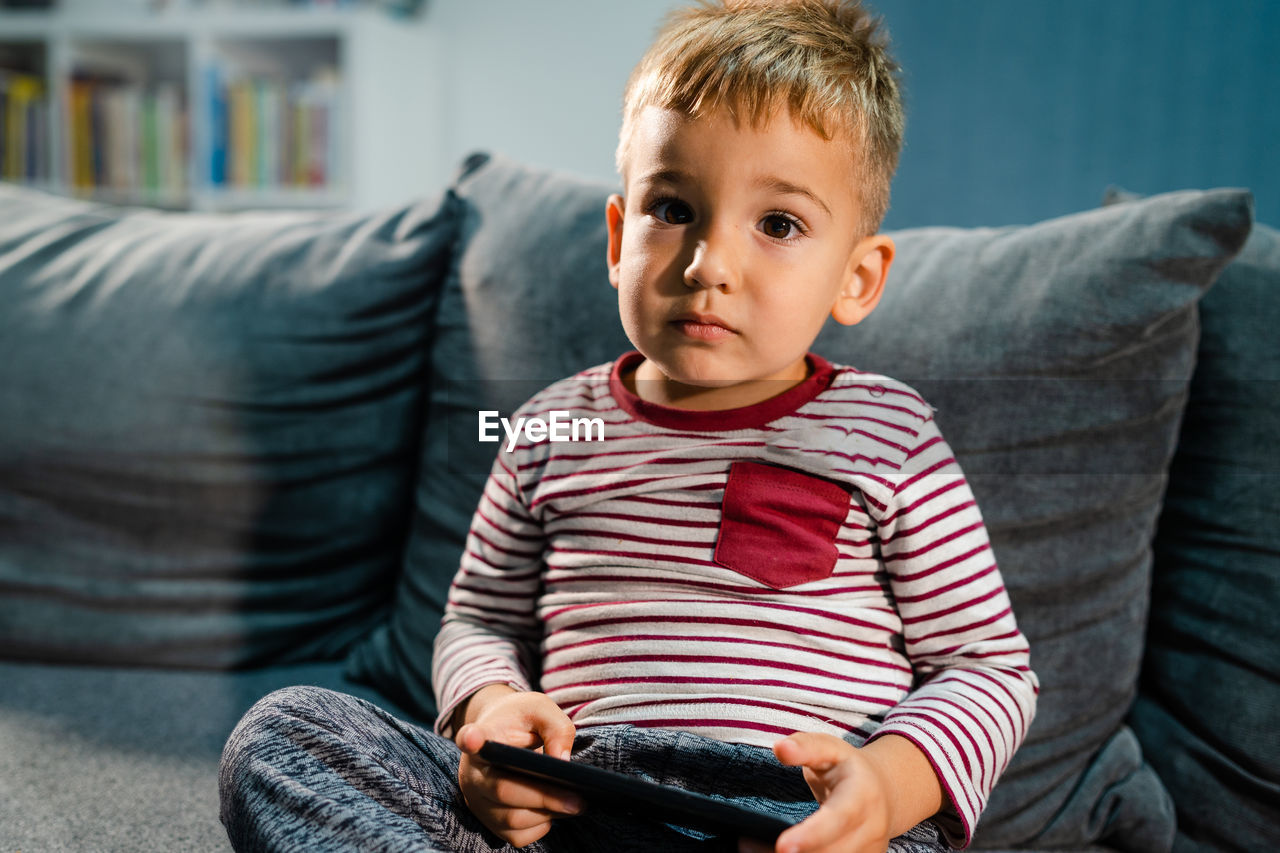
x,y
490,633
975,692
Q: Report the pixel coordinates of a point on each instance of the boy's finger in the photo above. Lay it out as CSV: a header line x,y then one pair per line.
x,y
816,832
518,819
524,837
554,729
515,791
470,738
811,749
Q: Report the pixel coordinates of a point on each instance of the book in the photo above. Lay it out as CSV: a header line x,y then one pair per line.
x,y
21,111
219,130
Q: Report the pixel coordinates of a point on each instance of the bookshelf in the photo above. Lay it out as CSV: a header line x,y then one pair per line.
x,y
188,105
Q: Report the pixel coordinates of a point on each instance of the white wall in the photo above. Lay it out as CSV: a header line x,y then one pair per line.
x,y
538,80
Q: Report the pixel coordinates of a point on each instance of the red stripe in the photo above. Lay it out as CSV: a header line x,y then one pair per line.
x,y
498,573
666,436
647,452
719,700
524,537
619,536
937,543
943,590
825,615
887,387
565,575
502,620
953,484
985,782
932,469
964,809
969,803
517,500
1024,674
511,552
747,682
497,567
713,620
892,408
694,638
866,475
841,425
958,685
929,522
708,466
646,499
1020,719
474,611
522,594
955,608
933,441
945,564
961,629
595,490
656,561
853,458
622,516
737,662
690,724
836,416
1006,748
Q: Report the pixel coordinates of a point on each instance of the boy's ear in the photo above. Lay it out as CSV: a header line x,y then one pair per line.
x,y
613,215
864,279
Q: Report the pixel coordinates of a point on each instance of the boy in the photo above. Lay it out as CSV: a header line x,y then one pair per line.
x,y
770,563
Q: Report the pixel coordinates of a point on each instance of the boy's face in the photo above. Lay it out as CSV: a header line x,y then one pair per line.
x,y
731,248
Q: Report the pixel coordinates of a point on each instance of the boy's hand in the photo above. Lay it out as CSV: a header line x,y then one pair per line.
x,y
854,814
867,796
517,810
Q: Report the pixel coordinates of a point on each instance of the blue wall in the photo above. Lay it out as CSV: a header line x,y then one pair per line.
x,y
1019,110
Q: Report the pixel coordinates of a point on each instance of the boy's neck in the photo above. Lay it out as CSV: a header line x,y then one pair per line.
x,y
652,386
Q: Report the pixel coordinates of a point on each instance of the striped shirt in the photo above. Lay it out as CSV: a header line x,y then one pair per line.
x,y
815,562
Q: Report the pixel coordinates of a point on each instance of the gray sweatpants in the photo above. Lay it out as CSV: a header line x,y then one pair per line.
x,y
309,769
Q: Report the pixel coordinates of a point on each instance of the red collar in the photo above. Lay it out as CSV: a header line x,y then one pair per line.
x,y
745,417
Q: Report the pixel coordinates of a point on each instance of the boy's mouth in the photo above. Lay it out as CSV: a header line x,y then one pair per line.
x,y
707,327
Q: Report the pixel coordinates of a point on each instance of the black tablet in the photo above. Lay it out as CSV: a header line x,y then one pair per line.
x,y
604,788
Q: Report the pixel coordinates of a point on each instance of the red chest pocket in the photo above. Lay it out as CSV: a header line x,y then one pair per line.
x,y
779,525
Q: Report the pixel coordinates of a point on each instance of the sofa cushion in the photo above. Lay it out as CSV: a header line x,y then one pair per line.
x,y
207,427
1216,585
1058,355
103,758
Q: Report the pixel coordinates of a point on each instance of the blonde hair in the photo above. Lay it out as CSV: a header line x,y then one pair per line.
x,y
825,60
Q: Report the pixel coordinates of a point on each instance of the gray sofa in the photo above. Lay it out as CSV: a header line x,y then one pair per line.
x,y
240,451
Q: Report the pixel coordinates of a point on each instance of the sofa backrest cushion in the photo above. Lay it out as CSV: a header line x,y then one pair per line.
x,y
1058,355
207,424
1208,707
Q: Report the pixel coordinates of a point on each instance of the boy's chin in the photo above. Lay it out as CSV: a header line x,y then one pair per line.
x,y
699,383
695,381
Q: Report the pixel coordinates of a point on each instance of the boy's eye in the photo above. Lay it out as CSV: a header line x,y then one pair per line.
x,y
780,227
672,212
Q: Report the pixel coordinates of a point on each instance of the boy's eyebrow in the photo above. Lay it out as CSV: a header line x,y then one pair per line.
x,y
778,185
669,176
766,182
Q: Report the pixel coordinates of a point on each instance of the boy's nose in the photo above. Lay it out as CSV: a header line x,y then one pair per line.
x,y
712,264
